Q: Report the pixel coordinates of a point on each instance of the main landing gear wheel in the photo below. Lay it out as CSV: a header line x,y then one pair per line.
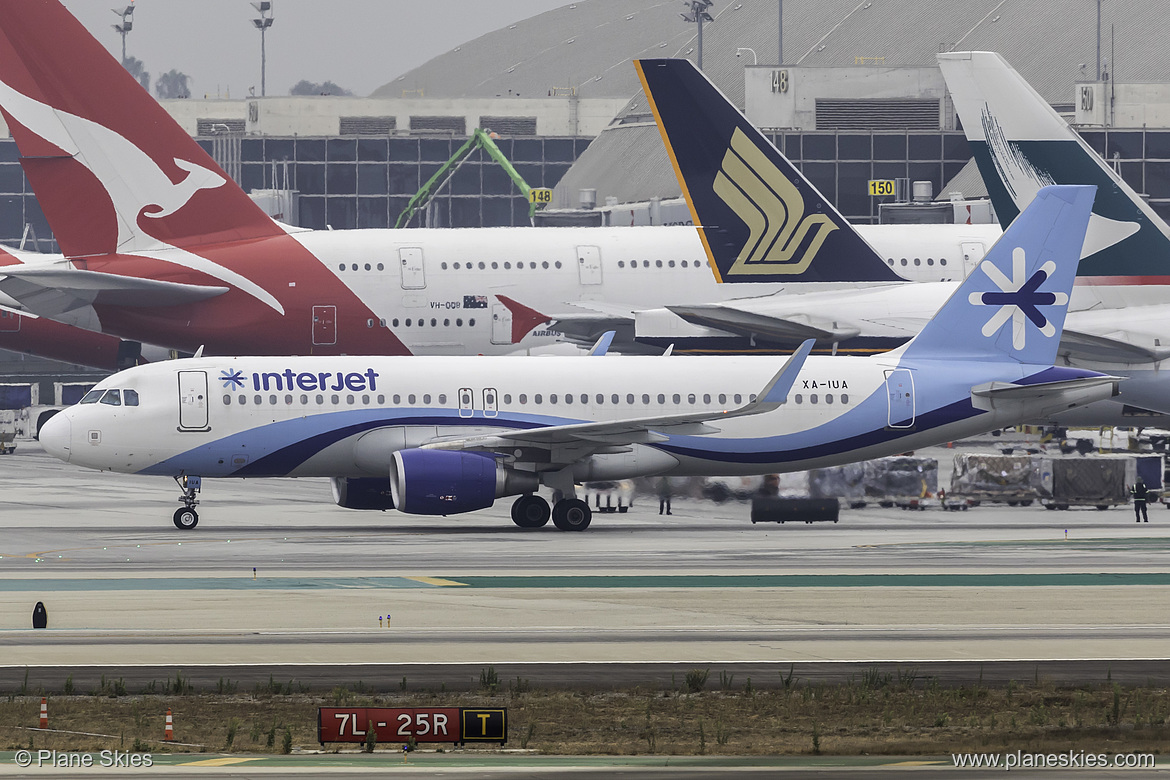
x,y
186,519
530,511
571,514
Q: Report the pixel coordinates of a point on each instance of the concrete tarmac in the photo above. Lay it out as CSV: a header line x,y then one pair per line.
x,y
124,587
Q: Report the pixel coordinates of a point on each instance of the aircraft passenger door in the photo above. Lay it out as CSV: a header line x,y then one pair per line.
x,y
900,394
589,264
9,322
490,406
410,261
973,252
193,401
466,402
501,324
324,325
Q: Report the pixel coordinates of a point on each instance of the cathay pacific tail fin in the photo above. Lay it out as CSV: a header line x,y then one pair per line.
x,y
1021,144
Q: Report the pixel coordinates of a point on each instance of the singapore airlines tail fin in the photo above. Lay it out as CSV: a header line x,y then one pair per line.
x,y
1020,145
112,171
759,218
1012,306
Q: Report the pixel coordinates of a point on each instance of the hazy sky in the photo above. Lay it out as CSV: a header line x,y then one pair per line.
x,y
358,44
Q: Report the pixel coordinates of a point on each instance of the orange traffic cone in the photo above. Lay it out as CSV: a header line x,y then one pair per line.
x,y
44,713
169,736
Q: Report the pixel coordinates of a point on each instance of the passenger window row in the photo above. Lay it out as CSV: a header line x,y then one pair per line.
x,y
918,261
524,399
354,267
658,264
422,322
814,398
544,264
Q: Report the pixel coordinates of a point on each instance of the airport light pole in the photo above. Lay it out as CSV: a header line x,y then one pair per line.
x,y
697,14
780,36
126,25
264,7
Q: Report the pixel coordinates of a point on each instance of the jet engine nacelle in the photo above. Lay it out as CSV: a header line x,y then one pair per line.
x,y
441,482
362,493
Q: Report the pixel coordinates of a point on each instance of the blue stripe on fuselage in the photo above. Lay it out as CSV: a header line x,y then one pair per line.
x,y
279,448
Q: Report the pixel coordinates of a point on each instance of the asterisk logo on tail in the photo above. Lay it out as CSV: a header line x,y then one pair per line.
x,y
232,380
1019,299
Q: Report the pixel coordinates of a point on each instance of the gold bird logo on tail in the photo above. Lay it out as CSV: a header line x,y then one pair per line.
x,y
772,208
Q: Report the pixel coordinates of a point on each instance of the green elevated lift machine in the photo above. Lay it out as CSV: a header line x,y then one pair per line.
x,y
537,197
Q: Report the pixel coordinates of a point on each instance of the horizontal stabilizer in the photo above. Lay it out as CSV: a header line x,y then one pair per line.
x,y
1008,391
1115,348
56,290
755,324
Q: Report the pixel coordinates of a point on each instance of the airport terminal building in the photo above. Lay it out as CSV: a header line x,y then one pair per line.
x,y
857,97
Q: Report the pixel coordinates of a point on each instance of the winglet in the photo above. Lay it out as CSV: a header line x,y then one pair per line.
x,y
776,391
602,345
759,218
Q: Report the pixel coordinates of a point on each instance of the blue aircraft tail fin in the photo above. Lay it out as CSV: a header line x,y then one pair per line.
x,y
1013,305
1021,144
759,218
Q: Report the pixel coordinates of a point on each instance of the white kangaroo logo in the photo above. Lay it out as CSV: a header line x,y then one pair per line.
x,y
134,182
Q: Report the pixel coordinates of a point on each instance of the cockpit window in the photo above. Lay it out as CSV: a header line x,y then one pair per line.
x,y
130,397
112,398
93,396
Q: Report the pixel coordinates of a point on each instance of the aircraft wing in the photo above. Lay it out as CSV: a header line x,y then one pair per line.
x,y
751,323
638,430
53,291
583,321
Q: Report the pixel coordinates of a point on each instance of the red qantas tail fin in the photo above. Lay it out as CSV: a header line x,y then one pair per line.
x,y
112,171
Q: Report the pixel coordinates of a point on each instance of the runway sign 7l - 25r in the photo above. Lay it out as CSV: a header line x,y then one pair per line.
x,y
423,724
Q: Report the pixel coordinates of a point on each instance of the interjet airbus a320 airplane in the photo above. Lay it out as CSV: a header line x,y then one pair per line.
x,y
446,435
160,246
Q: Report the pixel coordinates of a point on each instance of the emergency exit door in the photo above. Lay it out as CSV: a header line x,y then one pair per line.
x,y
193,401
973,252
501,324
324,325
900,395
589,264
411,264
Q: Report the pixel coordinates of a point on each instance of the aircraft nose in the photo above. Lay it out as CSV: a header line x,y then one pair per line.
x,y
56,436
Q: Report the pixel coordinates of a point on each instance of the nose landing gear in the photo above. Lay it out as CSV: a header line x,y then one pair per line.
x,y
186,517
